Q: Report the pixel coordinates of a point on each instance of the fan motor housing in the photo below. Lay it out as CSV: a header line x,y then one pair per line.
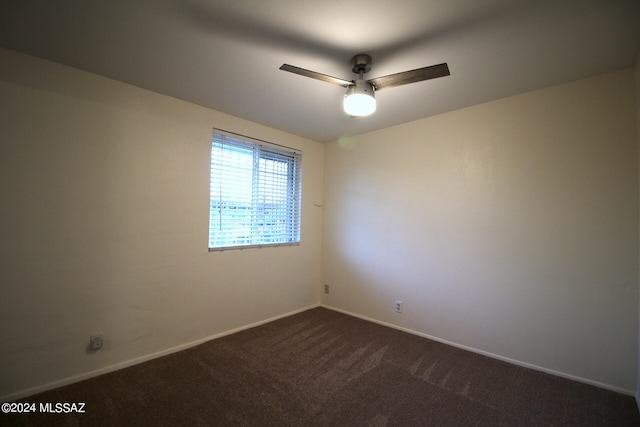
x,y
361,87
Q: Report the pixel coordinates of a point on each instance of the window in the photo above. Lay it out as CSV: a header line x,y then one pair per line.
x,y
255,193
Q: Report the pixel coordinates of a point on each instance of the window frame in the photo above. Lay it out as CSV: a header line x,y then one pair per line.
x,y
266,183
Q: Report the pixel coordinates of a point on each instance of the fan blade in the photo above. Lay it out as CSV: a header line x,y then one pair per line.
x,y
406,77
314,75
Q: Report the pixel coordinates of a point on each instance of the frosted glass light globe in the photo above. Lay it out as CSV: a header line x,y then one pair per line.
x,y
360,100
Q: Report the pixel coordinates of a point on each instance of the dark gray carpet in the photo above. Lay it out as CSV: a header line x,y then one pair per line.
x,y
322,368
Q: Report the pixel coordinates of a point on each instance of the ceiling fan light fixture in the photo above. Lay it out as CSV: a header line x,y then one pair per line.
x,y
360,100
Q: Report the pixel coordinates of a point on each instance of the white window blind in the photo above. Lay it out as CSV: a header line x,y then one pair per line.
x,y
255,193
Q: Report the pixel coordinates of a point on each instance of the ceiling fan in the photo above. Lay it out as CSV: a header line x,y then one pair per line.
x,y
360,97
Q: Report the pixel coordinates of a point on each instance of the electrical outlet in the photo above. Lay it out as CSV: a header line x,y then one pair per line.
x,y
398,306
326,289
96,342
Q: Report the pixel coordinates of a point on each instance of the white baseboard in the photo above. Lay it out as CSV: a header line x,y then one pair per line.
x,y
492,355
125,364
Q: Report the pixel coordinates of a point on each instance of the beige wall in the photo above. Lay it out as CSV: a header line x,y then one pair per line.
x,y
104,217
510,228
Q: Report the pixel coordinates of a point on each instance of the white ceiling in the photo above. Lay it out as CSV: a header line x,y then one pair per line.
x,y
225,54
